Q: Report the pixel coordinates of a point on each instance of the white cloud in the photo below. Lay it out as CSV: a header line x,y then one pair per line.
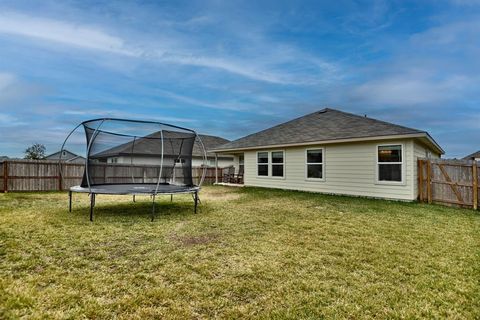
x,y
14,91
408,90
458,33
61,32
7,120
239,68
6,80
172,49
126,115
434,68
465,2
201,103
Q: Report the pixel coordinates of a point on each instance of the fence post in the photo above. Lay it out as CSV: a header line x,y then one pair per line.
x,y
475,185
5,176
429,181
105,174
60,187
216,168
420,180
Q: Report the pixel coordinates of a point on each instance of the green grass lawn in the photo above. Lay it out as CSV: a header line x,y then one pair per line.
x,y
248,253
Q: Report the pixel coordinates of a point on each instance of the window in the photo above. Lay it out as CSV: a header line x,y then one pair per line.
x,y
314,164
241,163
271,164
113,160
390,163
262,164
277,164
179,160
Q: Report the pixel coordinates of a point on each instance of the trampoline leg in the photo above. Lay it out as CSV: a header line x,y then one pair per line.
x,y
171,198
153,208
69,201
133,198
198,198
92,205
196,201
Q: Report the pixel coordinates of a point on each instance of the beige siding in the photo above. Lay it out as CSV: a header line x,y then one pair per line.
x,y
350,168
223,161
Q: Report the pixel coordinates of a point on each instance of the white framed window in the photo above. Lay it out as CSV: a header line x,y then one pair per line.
x,y
271,164
278,164
390,164
262,164
180,160
314,164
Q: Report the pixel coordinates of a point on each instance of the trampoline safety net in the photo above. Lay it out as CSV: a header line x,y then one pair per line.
x,y
137,152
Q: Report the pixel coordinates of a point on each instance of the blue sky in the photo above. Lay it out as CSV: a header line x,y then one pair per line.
x,y
231,68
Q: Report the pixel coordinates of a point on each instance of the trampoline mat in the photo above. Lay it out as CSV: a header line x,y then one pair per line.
x,y
135,189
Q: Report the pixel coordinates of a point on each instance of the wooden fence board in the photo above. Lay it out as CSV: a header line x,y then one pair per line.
x,y
41,175
2,174
452,182
475,185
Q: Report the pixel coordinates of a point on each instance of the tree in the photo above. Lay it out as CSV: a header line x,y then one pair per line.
x,y
35,152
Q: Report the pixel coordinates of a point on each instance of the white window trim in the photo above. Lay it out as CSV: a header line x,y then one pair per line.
x,y
322,179
267,164
402,163
270,164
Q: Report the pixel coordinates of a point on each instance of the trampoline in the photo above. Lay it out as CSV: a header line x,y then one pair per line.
x,y
132,157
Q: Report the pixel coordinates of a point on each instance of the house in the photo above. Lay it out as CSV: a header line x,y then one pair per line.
x,y
124,152
67,156
473,156
335,152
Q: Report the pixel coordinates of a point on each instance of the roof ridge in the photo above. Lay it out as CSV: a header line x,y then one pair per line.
x,y
373,119
472,154
213,136
283,123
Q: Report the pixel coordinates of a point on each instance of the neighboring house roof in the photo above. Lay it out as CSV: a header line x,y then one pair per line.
x,y
472,156
210,143
326,125
149,146
67,156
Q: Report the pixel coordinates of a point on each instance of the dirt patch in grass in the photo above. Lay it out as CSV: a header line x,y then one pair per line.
x,y
195,240
220,194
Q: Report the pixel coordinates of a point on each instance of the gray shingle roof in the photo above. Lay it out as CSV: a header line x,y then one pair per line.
x,y
323,125
473,155
210,142
151,146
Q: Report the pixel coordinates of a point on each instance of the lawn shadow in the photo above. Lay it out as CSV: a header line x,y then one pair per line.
x,y
140,210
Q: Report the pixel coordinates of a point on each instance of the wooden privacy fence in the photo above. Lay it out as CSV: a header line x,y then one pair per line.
x,y
451,182
44,175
